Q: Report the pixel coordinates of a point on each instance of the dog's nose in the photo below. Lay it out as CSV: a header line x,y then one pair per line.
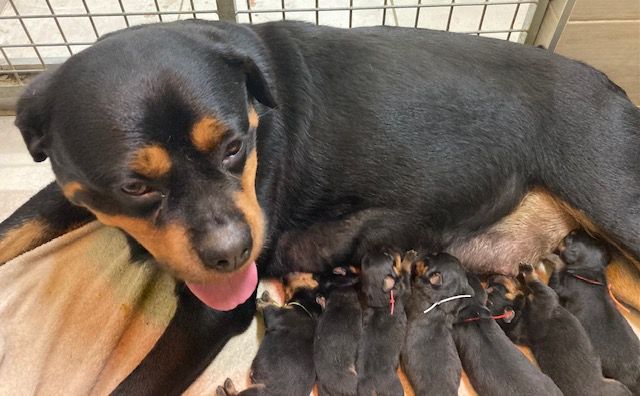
x,y
225,247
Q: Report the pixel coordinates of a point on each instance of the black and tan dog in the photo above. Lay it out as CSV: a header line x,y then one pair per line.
x,y
583,289
208,141
429,356
338,333
284,364
491,361
558,341
384,287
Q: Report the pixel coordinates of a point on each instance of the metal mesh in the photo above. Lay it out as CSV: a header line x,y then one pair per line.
x,y
35,34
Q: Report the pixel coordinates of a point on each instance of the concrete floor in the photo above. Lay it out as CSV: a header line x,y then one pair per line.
x,y
20,177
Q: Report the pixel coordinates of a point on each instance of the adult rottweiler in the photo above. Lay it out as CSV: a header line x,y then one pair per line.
x,y
209,142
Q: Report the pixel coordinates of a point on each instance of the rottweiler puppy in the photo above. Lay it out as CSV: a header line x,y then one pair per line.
x,y
284,362
557,339
429,356
206,141
384,321
493,364
582,287
338,334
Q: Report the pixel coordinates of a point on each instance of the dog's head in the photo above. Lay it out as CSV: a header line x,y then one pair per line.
x,y
153,129
380,275
441,276
580,251
504,299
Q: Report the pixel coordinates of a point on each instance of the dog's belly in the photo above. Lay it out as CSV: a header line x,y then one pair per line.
x,y
532,230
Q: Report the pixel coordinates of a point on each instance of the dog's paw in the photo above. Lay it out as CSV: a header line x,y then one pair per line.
x,y
264,301
527,272
408,260
227,389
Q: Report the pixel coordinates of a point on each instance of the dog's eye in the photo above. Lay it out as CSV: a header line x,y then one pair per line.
x,y
136,188
233,148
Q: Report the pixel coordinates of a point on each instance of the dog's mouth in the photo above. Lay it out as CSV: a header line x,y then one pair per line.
x,y
230,291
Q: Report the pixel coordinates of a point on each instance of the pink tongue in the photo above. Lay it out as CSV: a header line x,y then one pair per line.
x,y
230,291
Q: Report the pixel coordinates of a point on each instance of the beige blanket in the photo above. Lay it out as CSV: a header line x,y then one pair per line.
x,y
76,316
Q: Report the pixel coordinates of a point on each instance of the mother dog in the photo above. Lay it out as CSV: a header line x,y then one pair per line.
x,y
214,145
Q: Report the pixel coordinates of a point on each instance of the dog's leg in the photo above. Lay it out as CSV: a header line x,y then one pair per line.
x,y
47,215
195,335
326,245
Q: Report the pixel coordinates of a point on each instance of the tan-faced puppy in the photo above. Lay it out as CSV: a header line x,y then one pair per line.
x,y
556,338
284,362
429,357
384,322
493,364
582,287
338,333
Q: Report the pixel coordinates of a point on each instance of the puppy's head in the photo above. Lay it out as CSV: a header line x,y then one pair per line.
x,y
579,250
380,276
504,299
302,288
442,276
153,129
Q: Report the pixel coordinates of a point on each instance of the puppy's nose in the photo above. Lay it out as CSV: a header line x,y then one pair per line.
x,y
225,247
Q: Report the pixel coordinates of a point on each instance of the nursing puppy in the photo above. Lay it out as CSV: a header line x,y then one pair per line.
x,y
556,338
284,362
493,364
384,323
429,357
338,333
582,287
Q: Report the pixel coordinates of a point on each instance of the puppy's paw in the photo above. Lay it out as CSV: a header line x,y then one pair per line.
x,y
527,272
264,301
408,260
228,389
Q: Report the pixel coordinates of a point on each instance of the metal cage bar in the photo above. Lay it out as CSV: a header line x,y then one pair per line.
x,y
414,14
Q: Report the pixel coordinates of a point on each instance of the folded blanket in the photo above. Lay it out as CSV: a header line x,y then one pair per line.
x,y
77,316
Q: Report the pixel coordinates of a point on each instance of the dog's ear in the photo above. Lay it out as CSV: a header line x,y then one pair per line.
x,y
32,116
257,85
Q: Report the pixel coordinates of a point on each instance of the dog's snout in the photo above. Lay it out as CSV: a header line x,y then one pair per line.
x,y
226,247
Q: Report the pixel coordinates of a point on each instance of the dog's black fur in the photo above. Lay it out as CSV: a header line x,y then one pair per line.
x,y
458,127
611,336
557,339
382,332
491,361
338,333
284,364
429,357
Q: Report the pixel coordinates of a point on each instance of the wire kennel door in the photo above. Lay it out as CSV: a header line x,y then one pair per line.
x,y
37,34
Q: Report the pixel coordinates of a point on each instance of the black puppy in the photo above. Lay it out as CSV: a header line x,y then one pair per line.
x,y
582,287
493,364
384,324
429,357
556,338
284,362
338,334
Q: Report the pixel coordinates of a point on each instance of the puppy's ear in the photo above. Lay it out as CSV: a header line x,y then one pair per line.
x,y
389,283
32,116
435,279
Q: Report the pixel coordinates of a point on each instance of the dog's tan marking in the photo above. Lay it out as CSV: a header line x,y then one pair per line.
x,y
247,201
532,230
70,191
298,280
253,118
421,268
152,161
509,284
169,244
207,133
22,239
